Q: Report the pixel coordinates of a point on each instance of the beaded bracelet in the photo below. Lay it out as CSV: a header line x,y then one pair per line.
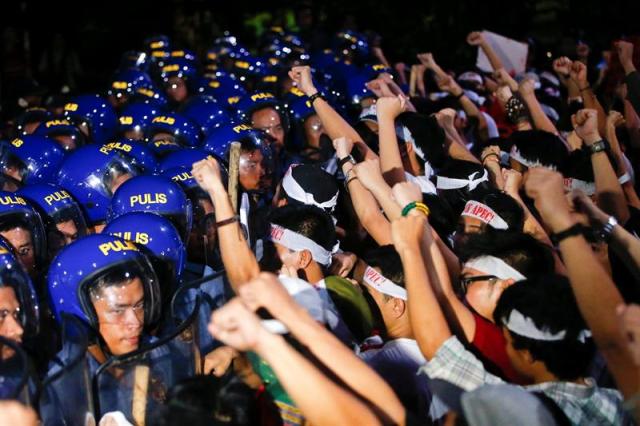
x,y
421,207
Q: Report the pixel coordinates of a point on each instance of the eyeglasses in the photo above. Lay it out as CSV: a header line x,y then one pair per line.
x,y
465,282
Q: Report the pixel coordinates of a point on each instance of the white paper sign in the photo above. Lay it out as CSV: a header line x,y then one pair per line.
x,y
512,53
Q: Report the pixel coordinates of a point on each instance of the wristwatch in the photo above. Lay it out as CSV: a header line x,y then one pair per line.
x,y
345,160
597,147
607,228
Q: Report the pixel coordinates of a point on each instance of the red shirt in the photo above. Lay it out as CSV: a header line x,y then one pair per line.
x,y
490,345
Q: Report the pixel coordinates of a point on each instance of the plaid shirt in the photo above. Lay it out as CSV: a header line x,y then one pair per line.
x,y
583,404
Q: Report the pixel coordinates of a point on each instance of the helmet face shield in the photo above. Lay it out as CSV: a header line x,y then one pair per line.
x,y
12,166
22,227
116,172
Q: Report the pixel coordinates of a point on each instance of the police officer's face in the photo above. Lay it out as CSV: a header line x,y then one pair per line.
x,y
67,143
251,171
67,232
10,326
313,130
176,89
268,119
120,311
22,242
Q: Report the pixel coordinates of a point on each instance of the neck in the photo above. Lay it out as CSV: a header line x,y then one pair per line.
x,y
400,328
543,376
313,273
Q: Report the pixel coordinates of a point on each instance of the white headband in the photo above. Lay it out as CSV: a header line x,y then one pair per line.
x,y
589,188
384,285
296,242
452,183
515,154
295,191
426,186
525,327
485,214
494,266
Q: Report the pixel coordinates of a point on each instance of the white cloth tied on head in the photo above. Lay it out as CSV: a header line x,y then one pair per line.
x,y
384,285
471,182
295,191
515,154
589,188
297,242
485,214
525,327
495,266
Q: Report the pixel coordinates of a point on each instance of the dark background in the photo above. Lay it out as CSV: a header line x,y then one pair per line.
x,y
99,31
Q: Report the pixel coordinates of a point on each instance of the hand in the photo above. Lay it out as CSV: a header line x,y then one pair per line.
x,y
343,146
379,87
578,74
390,107
343,263
427,60
445,118
504,79
405,193
503,94
301,77
407,232
207,173
615,119
369,174
400,67
546,188
512,181
585,123
267,292
527,87
387,78
490,154
582,203
562,66
629,323
625,52
448,84
219,360
476,38
236,326
16,414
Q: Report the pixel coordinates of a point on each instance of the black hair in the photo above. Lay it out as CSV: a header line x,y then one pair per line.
x,y
369,137
10,222
427,134
503,204
116,276
309,221
313,179
388,260
460,169
441,218
209,401
540,146
519,250
578,163
551,305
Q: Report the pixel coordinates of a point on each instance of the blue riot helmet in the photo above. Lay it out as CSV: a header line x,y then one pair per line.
x,y
182,158
223,87
94,116
357,91
206,112
179,78
218,140
154,194
92,174
63,131
27,122
124,84
372,71
352,45
140,154
159,240
150,96
184,54
63,219
100,279
135,59
254,102
308,128
134,119
21,226
157,42
14,277
174,127
31,159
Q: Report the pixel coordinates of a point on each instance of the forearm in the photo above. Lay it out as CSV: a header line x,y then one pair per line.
x,y
495,173
591,102
297,375
472,111
633,86
495,62
390,159
238,259
341,361
610,196
540,119
368,213
333,123
597,298
627,246
383,195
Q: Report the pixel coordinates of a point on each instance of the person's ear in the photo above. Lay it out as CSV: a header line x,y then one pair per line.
x,y
507,283
304,259
399,307
409,147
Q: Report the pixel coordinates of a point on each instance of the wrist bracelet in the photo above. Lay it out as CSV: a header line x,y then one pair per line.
x,y
345,160
460,95
489,155
227,221
421,207
607,229
315,96
572,231
597,147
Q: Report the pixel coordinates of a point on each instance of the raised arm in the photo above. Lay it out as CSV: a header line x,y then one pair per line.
x,y
266,292
540,119
239,261
596,294
632,78
235,325
390,160
476,38
579,76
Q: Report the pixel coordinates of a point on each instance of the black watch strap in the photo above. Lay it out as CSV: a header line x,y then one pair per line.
x,y
345,160
577,229
315,96
597,147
